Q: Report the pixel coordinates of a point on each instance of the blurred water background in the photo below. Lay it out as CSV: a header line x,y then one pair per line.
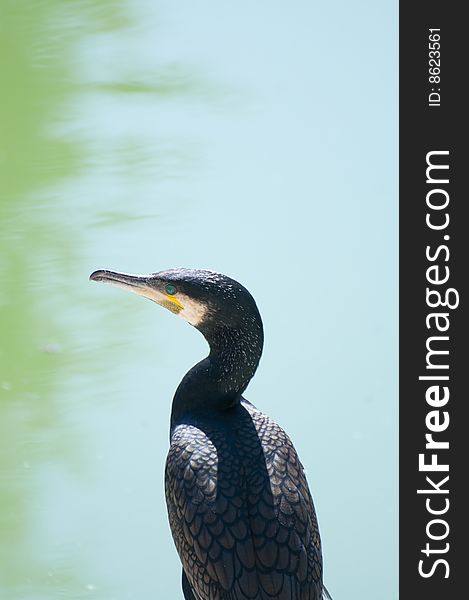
x,y
257,139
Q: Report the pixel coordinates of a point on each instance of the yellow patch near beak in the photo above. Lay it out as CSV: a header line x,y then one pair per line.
x,y
172,303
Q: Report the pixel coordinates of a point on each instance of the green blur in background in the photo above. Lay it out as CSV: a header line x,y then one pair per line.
x,y
256,139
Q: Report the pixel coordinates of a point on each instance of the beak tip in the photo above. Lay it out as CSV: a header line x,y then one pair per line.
x,y
97,275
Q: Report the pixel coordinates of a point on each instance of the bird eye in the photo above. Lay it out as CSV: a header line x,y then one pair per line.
x,y
170,289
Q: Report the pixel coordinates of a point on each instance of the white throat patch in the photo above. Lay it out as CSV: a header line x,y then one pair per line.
x,y
193,311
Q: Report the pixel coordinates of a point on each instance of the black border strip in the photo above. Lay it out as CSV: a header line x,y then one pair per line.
x,y
433,256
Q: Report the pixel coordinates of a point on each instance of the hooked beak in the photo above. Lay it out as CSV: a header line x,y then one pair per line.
x,y
120,279
139,284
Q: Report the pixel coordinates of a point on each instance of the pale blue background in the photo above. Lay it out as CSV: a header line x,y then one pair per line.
x,y
254,138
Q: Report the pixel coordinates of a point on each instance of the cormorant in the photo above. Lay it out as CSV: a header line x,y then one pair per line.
x,y
239,507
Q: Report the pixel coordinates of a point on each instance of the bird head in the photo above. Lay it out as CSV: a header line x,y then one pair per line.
x,y
203,298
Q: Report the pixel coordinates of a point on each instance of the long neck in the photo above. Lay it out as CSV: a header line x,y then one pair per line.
x,y
217,382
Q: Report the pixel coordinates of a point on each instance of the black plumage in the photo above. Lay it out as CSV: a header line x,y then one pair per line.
x,y
239,507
